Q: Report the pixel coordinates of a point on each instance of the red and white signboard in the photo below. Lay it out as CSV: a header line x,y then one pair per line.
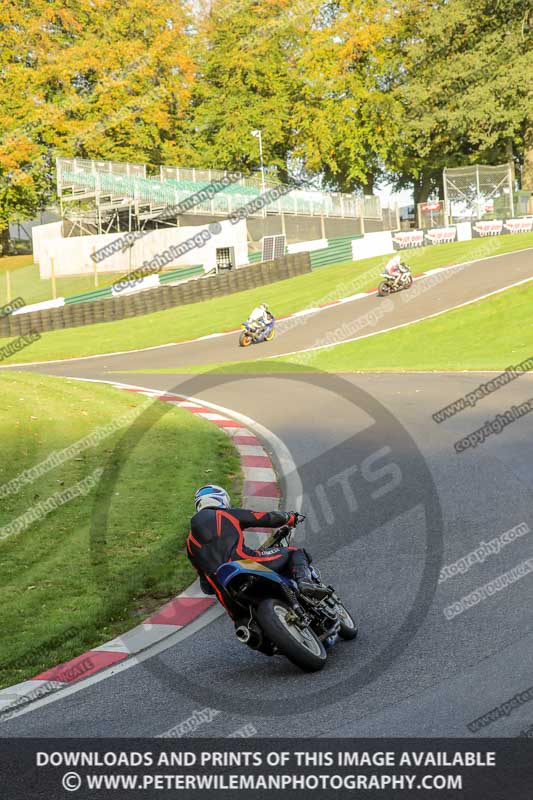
x,y
404,239
519,225
491,227
442,235
434,206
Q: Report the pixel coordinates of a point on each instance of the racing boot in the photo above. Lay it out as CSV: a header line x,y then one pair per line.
x,y
306,585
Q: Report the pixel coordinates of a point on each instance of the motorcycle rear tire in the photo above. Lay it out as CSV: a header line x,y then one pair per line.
x,y
245,340
309,658
384,289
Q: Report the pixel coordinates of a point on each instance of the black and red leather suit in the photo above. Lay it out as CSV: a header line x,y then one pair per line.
x,y
217,537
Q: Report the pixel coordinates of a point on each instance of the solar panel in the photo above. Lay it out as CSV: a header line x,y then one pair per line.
x,y
273,247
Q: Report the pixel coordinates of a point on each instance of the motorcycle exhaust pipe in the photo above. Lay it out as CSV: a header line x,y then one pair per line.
x,y
243,634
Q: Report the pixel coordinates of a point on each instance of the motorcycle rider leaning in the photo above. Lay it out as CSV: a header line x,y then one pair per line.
x,y
216,537
260,317
396,269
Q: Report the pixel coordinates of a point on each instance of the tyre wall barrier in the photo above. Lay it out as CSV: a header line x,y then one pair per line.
x,y
114,308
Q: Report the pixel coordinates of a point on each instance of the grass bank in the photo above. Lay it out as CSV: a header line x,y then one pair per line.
x,y
25,281
64,587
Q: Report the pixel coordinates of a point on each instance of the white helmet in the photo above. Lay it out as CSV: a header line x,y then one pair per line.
x,y
211,496
264,306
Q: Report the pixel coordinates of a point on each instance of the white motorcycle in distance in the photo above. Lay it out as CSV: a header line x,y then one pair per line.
x,y
395,283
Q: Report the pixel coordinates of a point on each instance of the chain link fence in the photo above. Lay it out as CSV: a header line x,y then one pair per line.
x,y
478,192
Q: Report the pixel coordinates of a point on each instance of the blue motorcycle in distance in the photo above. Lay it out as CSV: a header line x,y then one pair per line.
x,y
272,616
252,335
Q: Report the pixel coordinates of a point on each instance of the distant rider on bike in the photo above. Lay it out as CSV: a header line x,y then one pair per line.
x,y
396,269
259,318
217,537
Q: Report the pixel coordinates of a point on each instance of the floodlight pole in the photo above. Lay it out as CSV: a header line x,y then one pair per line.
x,y
478,191
258,135
447,213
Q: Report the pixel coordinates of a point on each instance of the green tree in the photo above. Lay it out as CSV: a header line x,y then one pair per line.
x,y
247,80
460,76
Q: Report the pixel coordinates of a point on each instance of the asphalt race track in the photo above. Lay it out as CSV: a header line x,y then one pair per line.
x,y
360,317
389,502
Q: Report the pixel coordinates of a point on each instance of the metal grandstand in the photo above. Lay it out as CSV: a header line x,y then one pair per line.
x,y
106,197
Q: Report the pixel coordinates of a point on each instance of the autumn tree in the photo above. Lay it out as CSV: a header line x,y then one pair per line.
x,y
342,113
90,79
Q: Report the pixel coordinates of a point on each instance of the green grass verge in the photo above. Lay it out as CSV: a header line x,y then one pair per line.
x,y
26,282
487,335
223,313
10,263
490,334
63,590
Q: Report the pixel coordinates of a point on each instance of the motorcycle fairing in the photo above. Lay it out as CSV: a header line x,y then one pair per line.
x,y
226,572
246,326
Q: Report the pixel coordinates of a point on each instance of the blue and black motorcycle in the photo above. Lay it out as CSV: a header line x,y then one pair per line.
x,y
250,334
273,617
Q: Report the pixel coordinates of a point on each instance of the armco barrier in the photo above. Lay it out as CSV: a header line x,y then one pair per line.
x,y
163,277
109,309
86,297
180,274
337,251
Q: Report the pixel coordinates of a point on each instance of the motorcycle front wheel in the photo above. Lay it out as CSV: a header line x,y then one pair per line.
x,y
299,645
269,336
384,288
348,628
408,282
245,340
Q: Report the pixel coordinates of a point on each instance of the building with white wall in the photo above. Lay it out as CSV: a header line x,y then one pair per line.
x,y
72,255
